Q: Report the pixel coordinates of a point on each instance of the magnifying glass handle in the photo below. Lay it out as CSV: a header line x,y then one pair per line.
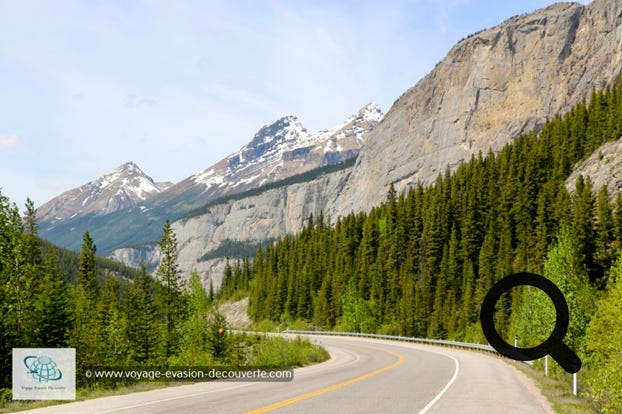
x,y
564,356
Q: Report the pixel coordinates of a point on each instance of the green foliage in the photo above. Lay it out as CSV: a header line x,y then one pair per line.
x,y
196,328
52,309
86,268
169,290
272,352
536,317
142,320
218,338
564,268
603,362
356,314
114,317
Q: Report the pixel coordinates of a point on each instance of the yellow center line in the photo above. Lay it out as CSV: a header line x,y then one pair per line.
x,y
293,400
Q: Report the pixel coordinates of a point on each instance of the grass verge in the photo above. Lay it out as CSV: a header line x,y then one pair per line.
x,y
558,390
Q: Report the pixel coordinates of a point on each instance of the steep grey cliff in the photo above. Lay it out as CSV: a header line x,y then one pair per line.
x,y
491,87
268,215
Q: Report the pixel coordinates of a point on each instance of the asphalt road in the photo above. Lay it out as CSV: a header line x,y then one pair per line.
x,y
362,376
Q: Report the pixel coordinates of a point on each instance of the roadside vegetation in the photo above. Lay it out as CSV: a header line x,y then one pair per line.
x,y
117,319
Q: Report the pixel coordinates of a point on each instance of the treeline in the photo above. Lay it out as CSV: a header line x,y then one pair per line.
x,y
122,319
420,264
115,317
235,249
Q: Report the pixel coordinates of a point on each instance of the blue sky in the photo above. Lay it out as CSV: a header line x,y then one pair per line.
x,y
175,86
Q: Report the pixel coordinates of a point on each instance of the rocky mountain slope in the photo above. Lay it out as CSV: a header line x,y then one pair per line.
x,y
604,167
491,87
123,188
112,210
251,220
282,149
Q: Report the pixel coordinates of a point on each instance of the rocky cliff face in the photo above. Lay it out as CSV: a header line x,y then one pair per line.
x,y
491,87
268,215
604,167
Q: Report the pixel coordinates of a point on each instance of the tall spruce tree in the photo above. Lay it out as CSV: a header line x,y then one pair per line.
x,y
85,333
169,290
142,321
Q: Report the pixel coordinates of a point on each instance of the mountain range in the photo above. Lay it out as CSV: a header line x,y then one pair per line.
x,y
126,207
491,87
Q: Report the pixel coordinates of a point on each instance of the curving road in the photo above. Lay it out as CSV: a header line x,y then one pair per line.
x,y
362,376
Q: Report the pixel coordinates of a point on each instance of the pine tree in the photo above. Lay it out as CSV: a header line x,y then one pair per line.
x,y
169,290
114,345
86,268
85,333
142,321
582,229
604,231
53,314
196,326
218,340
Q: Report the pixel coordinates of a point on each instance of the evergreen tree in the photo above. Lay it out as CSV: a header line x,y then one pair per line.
x,y
86,330
53,313
86,268
114,345
604,231
583,232
218,340
196,326
142,321
169,290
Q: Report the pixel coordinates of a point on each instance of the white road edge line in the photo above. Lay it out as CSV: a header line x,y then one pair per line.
x,y
179,397
444,390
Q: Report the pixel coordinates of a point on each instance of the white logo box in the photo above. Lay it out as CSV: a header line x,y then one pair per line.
x,y
44,373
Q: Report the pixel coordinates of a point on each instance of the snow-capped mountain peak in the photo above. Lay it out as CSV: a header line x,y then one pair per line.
x,y
284,148
123,187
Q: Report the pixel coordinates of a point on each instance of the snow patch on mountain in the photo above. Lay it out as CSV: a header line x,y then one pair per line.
x,y
122,188
285,147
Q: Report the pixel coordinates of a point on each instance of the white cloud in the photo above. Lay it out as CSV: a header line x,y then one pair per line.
x,y
9,142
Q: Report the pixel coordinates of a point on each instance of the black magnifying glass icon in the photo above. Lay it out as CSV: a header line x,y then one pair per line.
x,y
554,345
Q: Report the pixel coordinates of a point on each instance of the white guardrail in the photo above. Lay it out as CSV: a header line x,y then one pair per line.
x,y
455,344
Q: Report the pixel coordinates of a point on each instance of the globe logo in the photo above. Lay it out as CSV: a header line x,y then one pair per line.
x,y
43,368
